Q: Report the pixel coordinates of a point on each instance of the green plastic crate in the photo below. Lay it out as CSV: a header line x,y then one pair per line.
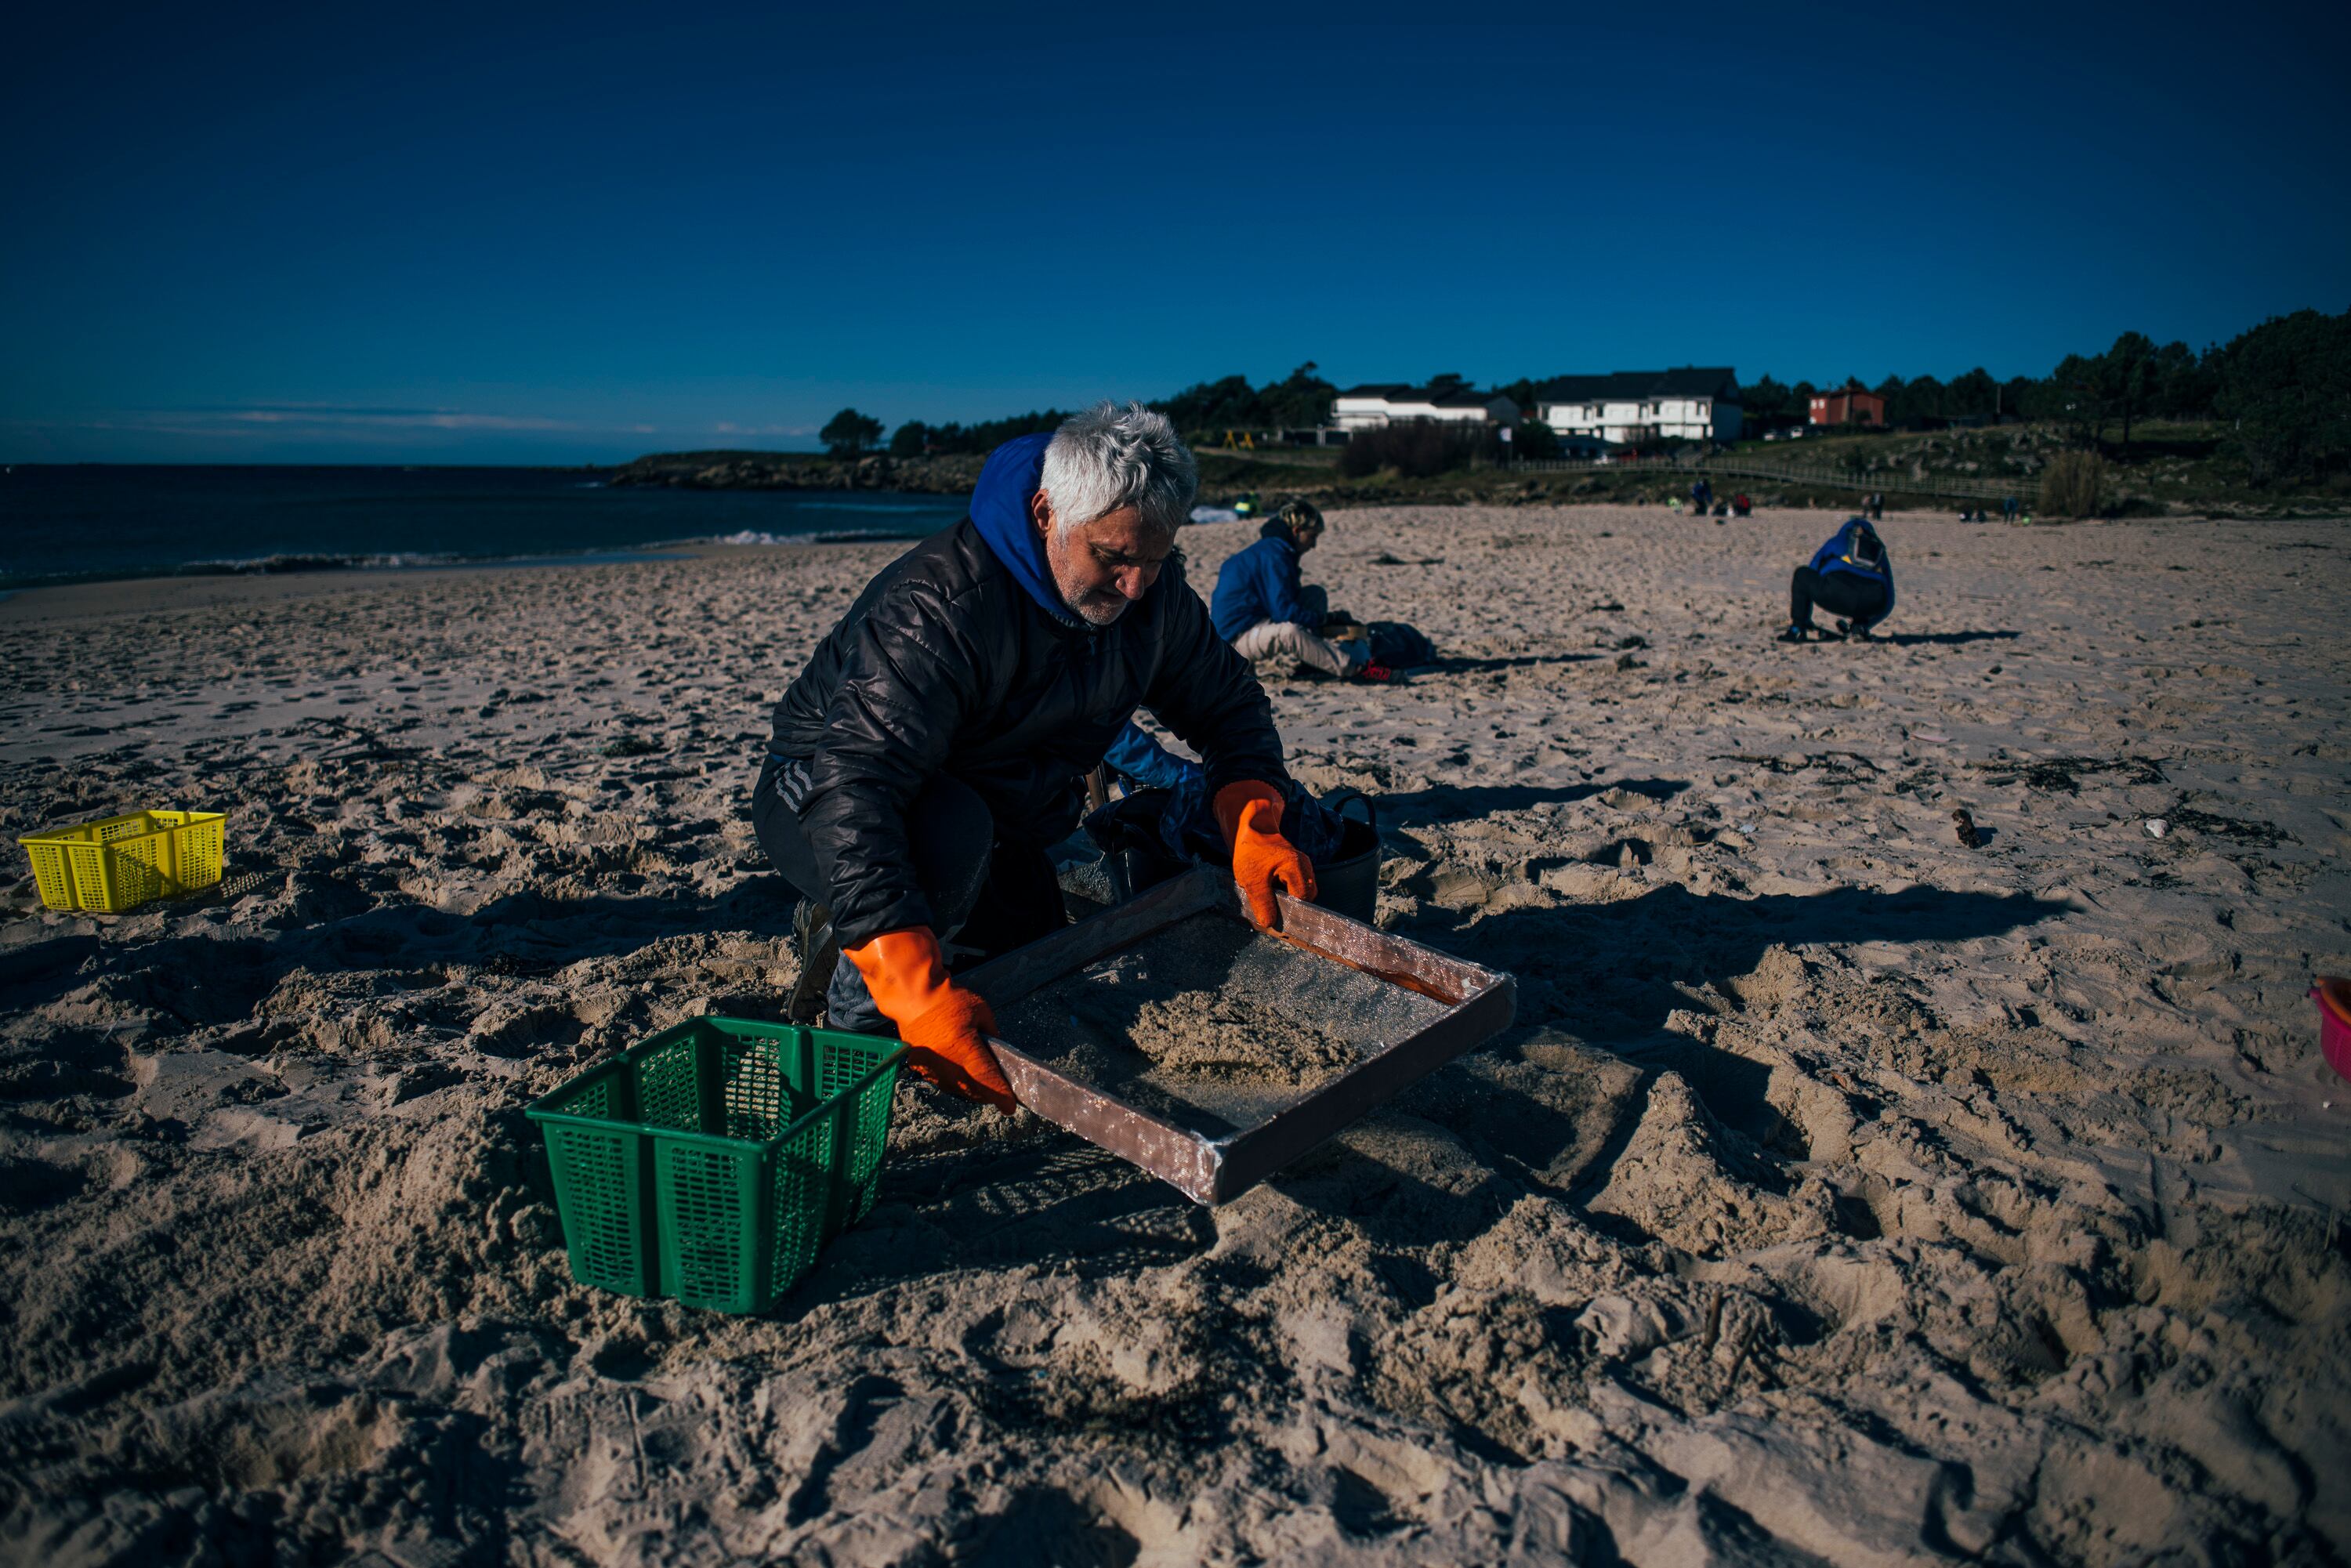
x,y
711,1162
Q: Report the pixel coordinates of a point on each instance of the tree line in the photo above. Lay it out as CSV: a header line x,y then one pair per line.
x,y
2282,389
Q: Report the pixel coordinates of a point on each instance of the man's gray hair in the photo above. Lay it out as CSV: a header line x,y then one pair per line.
x,y
1112,457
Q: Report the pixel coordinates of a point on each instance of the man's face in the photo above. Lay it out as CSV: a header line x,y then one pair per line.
x,y
1105,565
1307,536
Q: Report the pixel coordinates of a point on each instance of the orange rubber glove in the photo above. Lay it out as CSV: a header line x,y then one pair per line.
x,y
1251,814
940,1022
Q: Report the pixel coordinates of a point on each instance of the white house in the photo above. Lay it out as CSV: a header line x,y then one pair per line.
x,y
1381,403
1630,407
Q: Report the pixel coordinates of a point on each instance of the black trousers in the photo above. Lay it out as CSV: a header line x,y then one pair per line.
x,y
990,893
1841,593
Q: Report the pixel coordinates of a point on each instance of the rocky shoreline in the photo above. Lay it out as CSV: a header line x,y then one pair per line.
x,y
936,476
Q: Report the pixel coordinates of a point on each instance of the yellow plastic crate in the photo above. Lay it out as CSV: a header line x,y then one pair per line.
x,y
121,863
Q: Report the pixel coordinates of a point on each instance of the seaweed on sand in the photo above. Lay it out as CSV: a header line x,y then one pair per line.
x,y
2265,835
2054,773
1847,763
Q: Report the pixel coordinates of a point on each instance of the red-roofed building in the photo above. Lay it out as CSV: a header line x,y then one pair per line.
x,y
1851,403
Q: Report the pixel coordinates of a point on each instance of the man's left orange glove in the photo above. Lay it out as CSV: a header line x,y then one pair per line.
x,y
1251,814
942,1023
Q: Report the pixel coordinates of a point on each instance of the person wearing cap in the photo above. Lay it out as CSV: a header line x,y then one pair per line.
x,y
938,741
1263,610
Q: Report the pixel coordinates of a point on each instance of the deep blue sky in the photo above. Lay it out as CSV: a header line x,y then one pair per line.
x,y
384,234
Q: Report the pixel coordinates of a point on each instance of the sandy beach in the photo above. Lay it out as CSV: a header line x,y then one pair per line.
x,y
1843,1193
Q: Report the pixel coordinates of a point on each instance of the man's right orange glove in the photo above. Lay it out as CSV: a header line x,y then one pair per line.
x,y
1251,814
942,1023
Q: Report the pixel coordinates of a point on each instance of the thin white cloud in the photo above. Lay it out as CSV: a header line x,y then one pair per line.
x,y
247,421
254,432
729,427
329,416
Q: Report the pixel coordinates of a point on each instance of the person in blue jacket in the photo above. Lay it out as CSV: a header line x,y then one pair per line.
x,y
1265,613
1851,577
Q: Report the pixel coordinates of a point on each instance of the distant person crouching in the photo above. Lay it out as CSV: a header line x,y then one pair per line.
x,y
1265,613
1851,577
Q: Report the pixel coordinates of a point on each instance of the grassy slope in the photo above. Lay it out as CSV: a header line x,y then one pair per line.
x,y
2175,467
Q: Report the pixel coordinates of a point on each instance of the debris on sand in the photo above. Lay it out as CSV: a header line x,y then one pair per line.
x,y
2051,773
1849,763
1965,826
2260,835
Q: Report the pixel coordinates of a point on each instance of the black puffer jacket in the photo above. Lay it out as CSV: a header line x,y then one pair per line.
x,y
946,665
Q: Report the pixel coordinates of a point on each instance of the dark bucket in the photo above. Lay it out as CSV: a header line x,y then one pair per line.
x,y
1348,883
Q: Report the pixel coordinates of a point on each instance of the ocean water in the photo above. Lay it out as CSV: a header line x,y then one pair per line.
x,y
84,522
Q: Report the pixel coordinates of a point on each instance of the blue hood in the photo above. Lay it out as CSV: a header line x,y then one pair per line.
x,y
999,510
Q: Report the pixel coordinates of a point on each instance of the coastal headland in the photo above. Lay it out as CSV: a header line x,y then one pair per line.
x,y
2177,468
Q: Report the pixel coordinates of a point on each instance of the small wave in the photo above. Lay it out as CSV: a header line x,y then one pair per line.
x,y
269,565
858,535
815,536
941,507
385,560
1215,515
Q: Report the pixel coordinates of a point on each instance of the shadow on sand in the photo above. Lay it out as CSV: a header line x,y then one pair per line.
x,y
1942,639
200,981
1603,973
1483,666
1607,975
1613,967
1463,802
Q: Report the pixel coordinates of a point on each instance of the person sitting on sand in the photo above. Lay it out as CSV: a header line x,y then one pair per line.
x,y
1850,576
938,739
1265,613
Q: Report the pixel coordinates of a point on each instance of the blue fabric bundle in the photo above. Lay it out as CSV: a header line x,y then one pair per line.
x,y
1187,821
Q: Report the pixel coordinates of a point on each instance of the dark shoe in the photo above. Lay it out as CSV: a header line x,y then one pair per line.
x,y
820,955
1792,634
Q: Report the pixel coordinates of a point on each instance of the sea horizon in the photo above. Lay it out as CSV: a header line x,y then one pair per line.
x,y
87,522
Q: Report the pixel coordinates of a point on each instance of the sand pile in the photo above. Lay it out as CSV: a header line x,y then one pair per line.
x,y
1211,1024
1844,1193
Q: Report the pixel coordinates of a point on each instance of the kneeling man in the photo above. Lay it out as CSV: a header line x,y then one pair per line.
x,y
938,741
